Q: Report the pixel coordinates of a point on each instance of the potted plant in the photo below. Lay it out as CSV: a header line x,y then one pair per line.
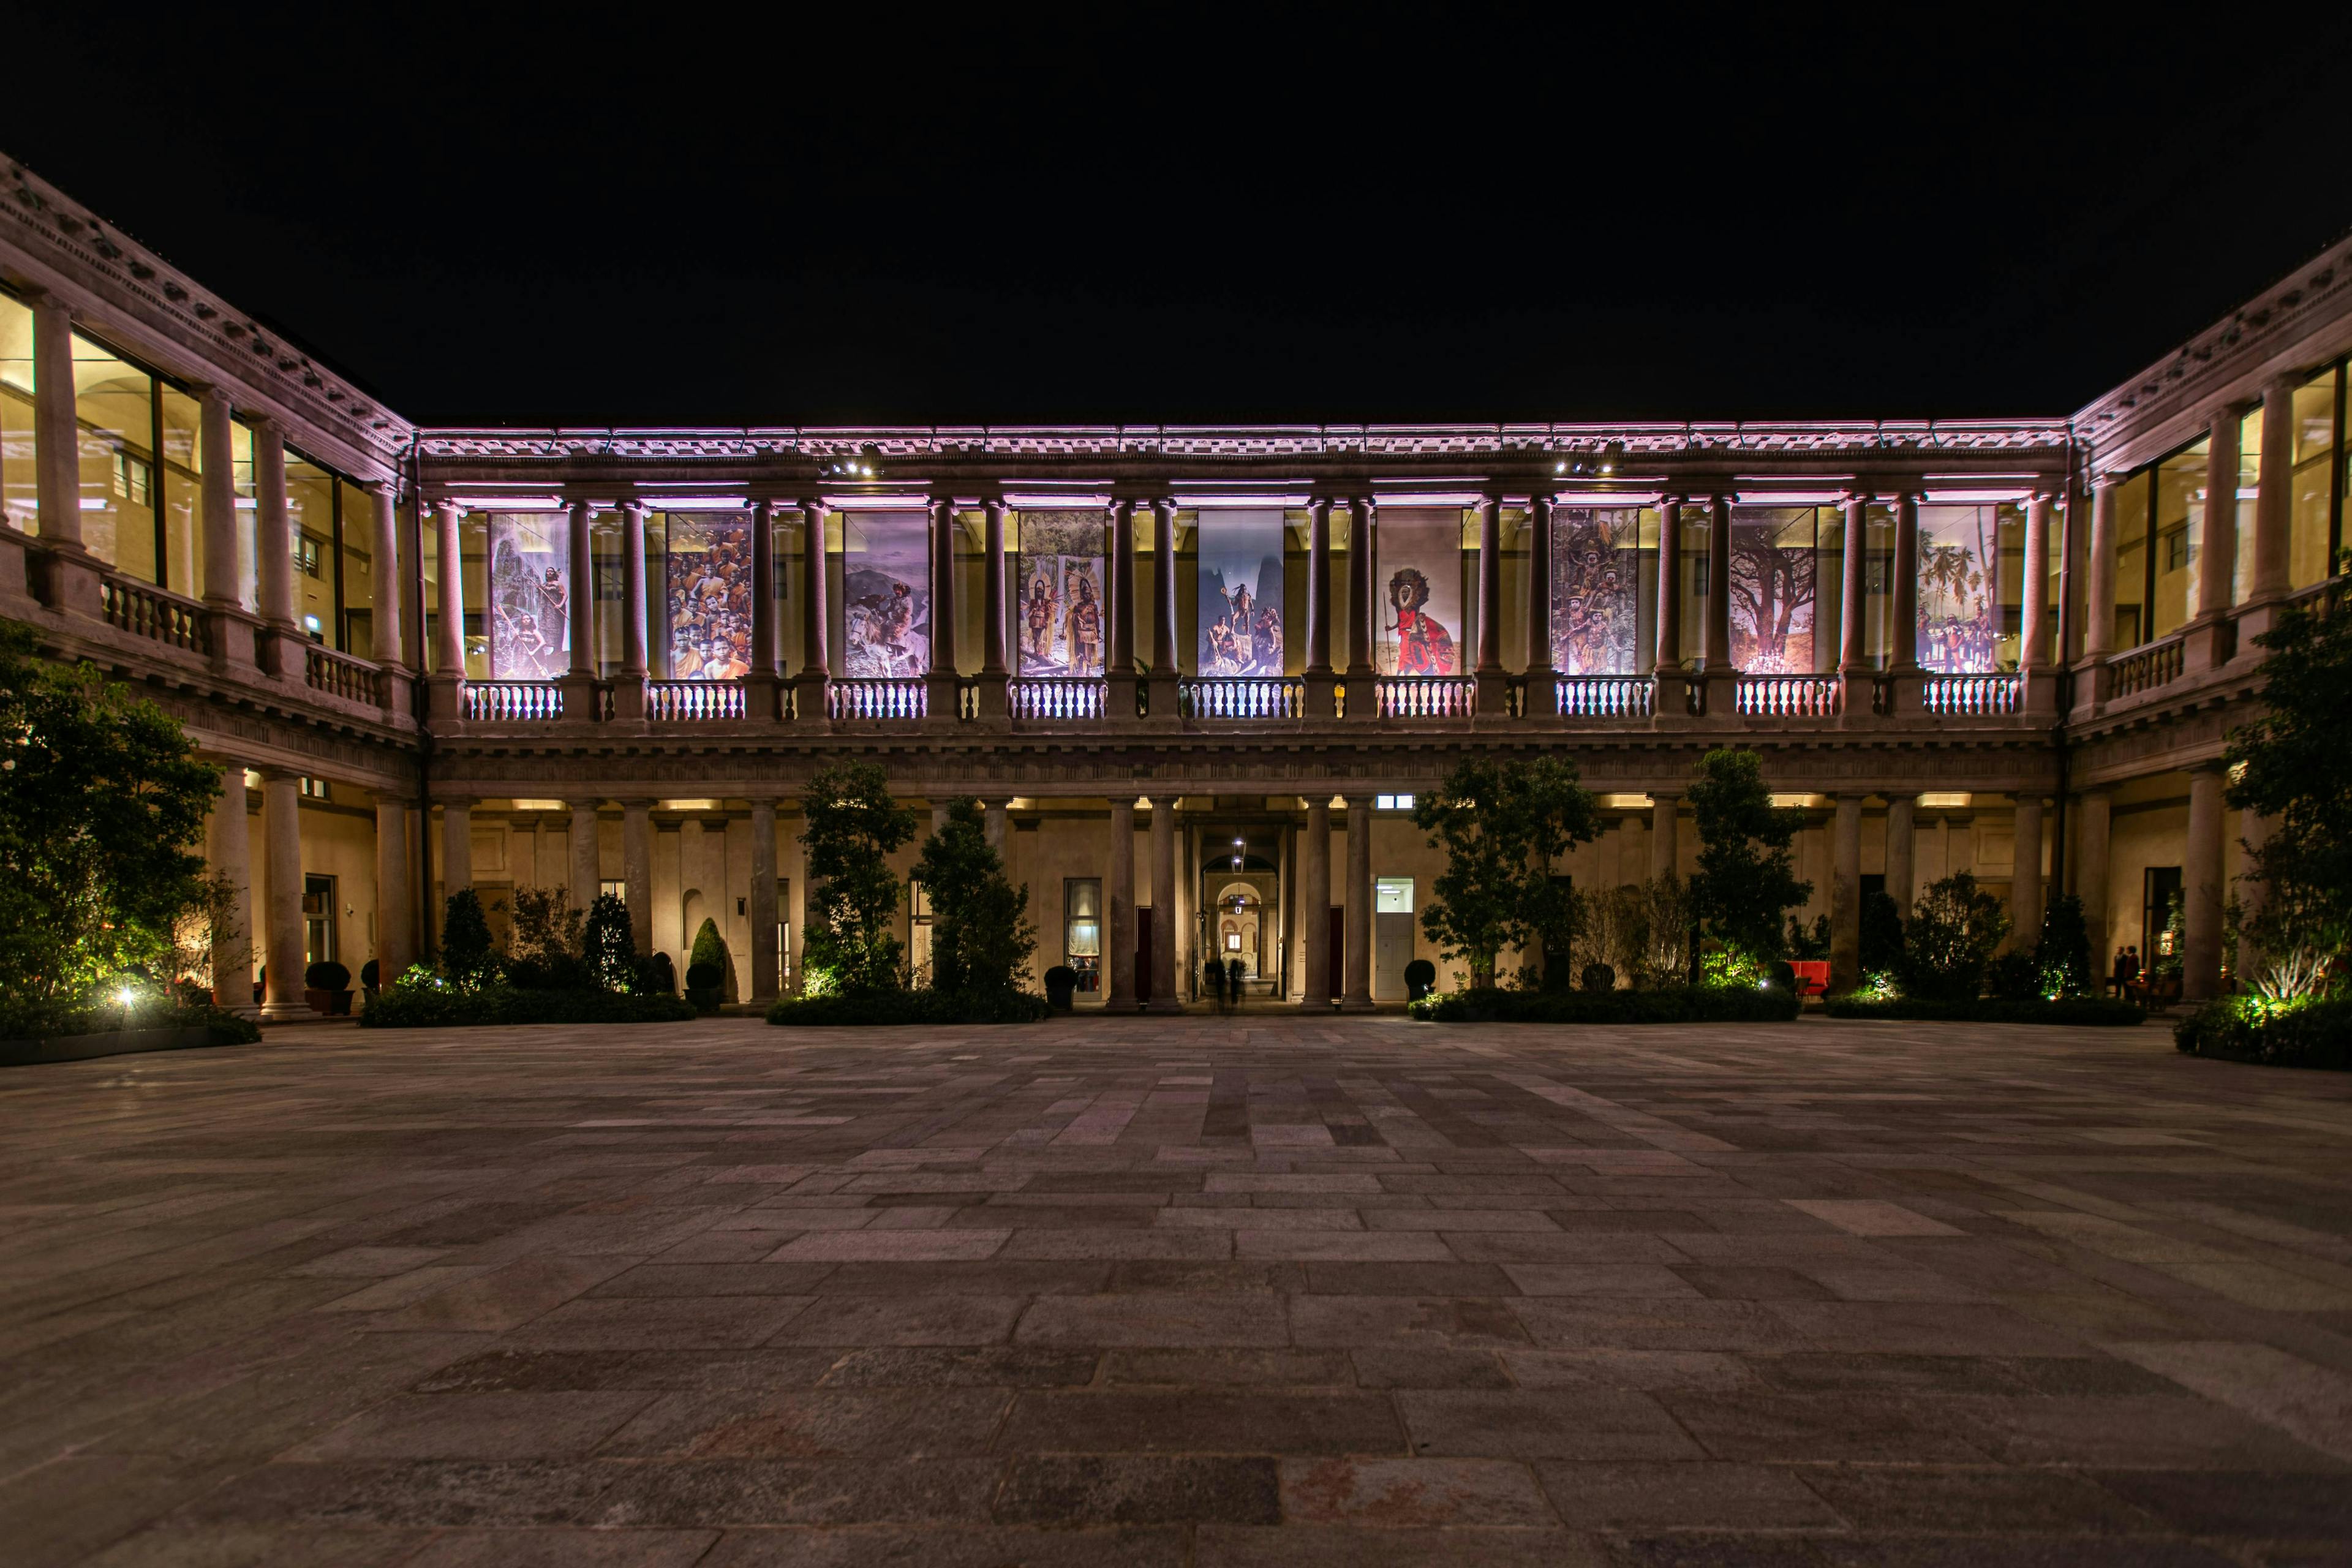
x,y
1420,977
705,986
370,976
1061,986
326,987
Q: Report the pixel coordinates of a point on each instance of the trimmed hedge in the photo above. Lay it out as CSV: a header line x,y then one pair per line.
x,y
2317,1035
42,1020
427,1007
2077,1011
1667,1005
884,1008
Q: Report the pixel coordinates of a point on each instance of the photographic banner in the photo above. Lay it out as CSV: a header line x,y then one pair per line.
x,y
1420,575
1241,592
1063,619
1956,588
1595,573
886,594
530,595
709,595
1772,590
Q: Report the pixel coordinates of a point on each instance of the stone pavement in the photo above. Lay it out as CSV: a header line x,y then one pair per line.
x,y
1217,1292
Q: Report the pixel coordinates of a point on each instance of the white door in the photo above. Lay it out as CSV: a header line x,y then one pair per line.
x,y
1391,951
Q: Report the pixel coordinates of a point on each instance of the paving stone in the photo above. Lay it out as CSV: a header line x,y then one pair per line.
x,y
1684,1495
536,1426
1154,1319
865,1490
1356,1546
1141,1488
950,1546
810,1424
1410,1493
1551,1424
1263,1422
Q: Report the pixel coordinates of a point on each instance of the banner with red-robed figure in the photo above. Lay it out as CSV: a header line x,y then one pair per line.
x,y
1420,571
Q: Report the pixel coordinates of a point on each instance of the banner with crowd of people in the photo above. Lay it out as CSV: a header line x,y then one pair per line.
x,y
1239,553
1958,547
1063,614
709,594
886,594
530,595
1595,577
1419,569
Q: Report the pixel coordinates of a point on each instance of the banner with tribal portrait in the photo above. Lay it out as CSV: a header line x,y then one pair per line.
x,y
1420,586
1595,574
1062,619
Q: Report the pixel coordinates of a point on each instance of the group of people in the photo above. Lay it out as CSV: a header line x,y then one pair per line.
x,y
877,626
1245,638
1223,978
2126,973
709,604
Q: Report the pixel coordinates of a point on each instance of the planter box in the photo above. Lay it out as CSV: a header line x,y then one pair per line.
x,y
110,1043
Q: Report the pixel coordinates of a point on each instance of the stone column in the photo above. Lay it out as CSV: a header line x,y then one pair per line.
x,y
1358,997
993,825
2091,840
68,573
1542,698
1903,617
941,696
229,840
629,682
1315,907
1358,694
1664,849
386,586
2274,508
2025,873
2202,886
231,624
1118,665
1119,922
282,827
760,681
637,870
586,865
274,549
995,665
1855,675
1163,906
445,688
767,969
1666,668
1493,684
1722,679
394,950
580,629
1322,683
2211,635
810,703
2253,831
1845,894
1161,692
1901,834
2034,665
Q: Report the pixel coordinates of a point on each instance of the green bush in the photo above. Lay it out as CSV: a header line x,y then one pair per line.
x,y
1667,1005
889,1007
2015,977
2314,1034
465,938
1950,938
2075,1010
423,1001
189,1009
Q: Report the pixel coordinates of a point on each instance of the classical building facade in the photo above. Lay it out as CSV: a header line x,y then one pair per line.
x,y
1195,675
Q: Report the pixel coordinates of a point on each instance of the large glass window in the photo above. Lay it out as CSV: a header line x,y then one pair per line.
x,y
114,408
355,520
2133,566
529,596
1971,565
310,525
1775,589
19,493
1082,929
177,422
2179,517
2318,425
2250,478
1691,584
248,510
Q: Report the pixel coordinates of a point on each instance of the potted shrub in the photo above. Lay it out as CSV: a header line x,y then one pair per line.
x,y
1598,977
327,986
1061,987
1420,976
369,976
705,986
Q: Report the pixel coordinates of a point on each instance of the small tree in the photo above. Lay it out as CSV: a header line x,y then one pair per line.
x,y
853,828
1502,824
610,944
466,955
1954,929
1882,934
102,807
1744,883
2062,955
2293,767
981,937
545,946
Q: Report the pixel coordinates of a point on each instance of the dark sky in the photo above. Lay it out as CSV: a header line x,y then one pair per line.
x,y
1174,215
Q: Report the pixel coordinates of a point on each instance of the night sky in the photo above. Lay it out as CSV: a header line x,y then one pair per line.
x,y
1380,215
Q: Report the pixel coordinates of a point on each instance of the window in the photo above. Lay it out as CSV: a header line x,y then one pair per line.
x,y
2316,498
609,888
315,789
1392,803
1392,896
1082,929
19,494
319,919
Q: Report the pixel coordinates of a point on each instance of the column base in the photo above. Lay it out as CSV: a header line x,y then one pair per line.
x,y
1163,1005
1120,699
1722,700
286,1012
1356,696
445,698
995,700
812,704
1672,698
2040,700
1322,694
942,699
580,704
1857,695
1357,1005
231,631
278,651
629,698
64,577
2209,642
1494,695
1117,1005
1160,696
1906,693
758,699
1541,702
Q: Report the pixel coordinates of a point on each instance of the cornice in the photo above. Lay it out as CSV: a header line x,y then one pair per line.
x,y
2302,320
1730,437
56,235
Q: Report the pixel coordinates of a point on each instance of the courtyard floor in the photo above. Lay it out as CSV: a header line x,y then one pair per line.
x,y
1193,1290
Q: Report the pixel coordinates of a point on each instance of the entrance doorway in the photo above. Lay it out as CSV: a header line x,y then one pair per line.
x,y
1240,906
1392,936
